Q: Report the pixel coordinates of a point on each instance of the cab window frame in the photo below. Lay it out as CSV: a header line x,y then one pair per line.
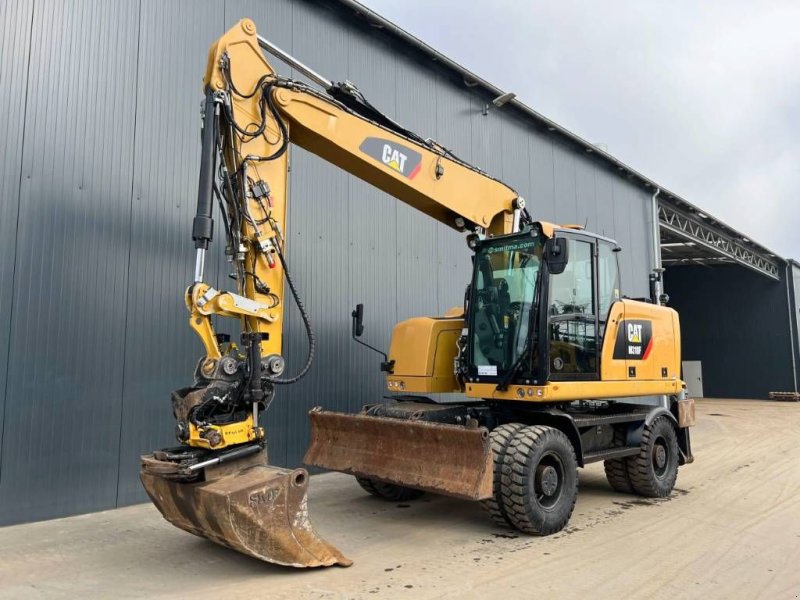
x,y
614,249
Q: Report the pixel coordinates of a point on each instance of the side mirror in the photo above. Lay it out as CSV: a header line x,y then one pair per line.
x,y
557,255
358,320
358,329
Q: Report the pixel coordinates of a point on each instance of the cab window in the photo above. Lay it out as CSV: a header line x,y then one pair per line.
x,y
572,323
607,279
504,289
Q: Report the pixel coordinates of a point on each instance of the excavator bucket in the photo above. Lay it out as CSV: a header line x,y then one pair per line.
x,y
453,460
246,505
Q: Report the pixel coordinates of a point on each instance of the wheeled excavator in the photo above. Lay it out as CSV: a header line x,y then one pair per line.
x,y
554,368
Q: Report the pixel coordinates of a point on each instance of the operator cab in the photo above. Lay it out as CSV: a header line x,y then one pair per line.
x,y
538,305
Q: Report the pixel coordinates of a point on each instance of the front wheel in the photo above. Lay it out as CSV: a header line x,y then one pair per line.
x,y
540,480
500,439
654,470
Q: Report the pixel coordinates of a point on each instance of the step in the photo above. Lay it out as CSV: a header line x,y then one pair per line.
x,y
590,457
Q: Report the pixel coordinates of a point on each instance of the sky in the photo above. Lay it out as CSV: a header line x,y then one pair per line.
x,y
702,97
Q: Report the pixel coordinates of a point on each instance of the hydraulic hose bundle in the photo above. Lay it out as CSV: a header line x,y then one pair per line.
x,y
221,135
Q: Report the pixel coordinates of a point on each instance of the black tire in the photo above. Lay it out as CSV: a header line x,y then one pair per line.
x,y
389,491
654,470
617,468
540,480
500,439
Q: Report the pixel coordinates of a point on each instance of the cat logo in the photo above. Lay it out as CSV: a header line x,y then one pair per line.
x,y
405,161
635,333
634,339
394,158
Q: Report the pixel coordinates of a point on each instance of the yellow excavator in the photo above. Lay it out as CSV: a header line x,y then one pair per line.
x,y
553,367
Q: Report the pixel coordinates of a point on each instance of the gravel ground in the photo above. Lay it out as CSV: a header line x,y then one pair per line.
x,y
730,530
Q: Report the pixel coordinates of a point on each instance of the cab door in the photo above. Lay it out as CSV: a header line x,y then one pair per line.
x,y
572,315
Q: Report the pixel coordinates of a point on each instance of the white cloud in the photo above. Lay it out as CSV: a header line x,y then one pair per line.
x,y
702,97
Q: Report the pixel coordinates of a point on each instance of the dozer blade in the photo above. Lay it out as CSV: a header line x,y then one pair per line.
x,y
253,508
446,459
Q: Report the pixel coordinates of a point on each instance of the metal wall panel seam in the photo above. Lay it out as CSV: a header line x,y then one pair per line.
x,y
130,246
595,188
16,237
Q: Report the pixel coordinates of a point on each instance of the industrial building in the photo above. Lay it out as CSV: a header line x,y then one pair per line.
x,y
98,176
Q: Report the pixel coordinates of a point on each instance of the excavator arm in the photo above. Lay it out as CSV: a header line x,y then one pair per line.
x,y
218,483
257,114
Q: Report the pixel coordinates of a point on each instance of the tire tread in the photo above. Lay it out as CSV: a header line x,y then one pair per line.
x,y
639,467
617,468
517,474
500,439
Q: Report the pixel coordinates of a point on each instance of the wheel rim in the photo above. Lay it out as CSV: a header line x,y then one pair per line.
x,y
660,457
548,481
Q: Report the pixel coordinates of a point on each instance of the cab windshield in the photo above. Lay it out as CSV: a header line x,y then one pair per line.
x,y
503,300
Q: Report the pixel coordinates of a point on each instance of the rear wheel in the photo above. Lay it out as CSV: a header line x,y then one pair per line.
x,y
654,470
617,468
500,439
389,491
540,480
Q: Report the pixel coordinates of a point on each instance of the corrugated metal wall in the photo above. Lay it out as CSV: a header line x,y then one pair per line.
x,y
15,41
98,180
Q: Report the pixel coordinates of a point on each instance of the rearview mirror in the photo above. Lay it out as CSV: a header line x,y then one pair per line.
x,y
556,255
358,320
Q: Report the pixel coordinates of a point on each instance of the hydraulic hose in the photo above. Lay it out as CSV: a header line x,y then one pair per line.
x,y
312,340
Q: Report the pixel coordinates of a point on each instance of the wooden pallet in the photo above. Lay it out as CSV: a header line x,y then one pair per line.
x,y
785,396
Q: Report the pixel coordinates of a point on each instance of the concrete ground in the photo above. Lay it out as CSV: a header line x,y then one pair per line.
x,y
730,530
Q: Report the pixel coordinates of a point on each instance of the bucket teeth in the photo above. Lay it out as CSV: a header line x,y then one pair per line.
x,y
256,509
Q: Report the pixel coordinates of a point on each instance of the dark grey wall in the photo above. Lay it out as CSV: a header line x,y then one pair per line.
x,y
98,175
737,323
